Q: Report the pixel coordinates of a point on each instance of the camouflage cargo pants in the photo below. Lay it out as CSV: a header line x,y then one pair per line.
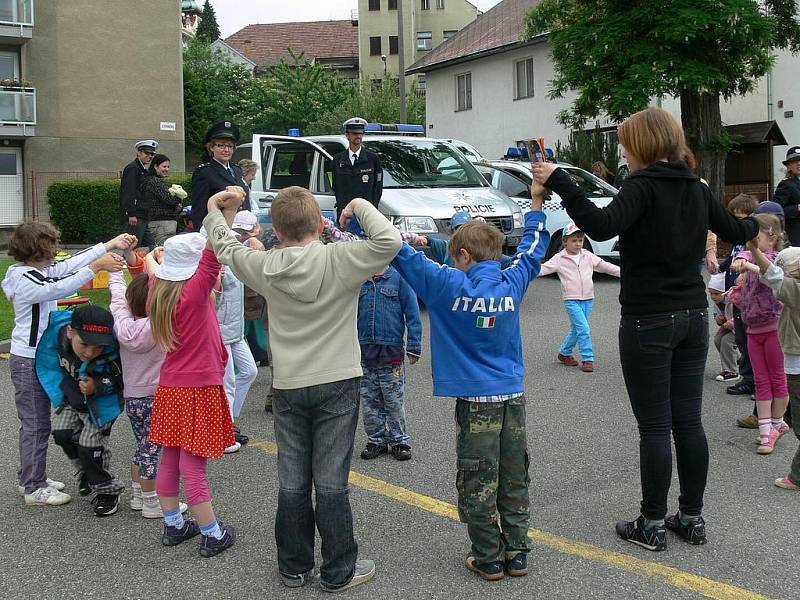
x,y
492,479
383,405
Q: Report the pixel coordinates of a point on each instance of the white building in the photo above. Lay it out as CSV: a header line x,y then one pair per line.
x,y
488,88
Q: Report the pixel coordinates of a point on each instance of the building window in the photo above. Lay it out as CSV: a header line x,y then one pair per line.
x,y
393,45
464,91
448,33
375,46
392,4
424,40
374,4
425,4
440,4
523,78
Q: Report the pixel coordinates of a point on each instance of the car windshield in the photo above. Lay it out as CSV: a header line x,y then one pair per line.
x,y
592,185
424,164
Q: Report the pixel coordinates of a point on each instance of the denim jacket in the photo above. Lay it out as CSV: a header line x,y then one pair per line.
x,y
387,306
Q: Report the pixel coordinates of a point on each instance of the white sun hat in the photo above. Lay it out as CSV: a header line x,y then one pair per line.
x,y
181,256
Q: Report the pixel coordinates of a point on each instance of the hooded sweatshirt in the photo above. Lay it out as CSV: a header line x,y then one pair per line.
x,y
662,215
312,296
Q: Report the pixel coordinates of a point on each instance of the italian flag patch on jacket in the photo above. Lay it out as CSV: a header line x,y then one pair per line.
x,y
485,322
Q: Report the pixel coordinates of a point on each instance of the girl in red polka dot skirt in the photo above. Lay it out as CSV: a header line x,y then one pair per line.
x,y
190,418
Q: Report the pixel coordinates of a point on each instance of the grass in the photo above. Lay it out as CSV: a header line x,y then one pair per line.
x,y
98,297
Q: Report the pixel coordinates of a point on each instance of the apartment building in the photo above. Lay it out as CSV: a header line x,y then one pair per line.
x,y
426,25
80,82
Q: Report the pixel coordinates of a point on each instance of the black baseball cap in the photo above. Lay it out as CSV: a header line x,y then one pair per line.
x,y
94,325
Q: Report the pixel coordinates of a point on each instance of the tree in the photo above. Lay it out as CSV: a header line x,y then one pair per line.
x,y
585,147
208,29
213,89
619,54
377,103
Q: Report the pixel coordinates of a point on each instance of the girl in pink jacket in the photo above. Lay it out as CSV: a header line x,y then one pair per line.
x,y
575,267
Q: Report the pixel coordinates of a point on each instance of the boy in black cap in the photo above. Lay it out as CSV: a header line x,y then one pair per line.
x,y
217,172
787,194
357,172
77,363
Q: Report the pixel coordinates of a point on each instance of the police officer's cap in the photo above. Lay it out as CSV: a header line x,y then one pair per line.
x,y
223,130
792,153
354,125
147,145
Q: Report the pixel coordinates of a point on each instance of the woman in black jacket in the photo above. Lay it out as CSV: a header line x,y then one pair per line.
x,y
662,215
161,204
787,194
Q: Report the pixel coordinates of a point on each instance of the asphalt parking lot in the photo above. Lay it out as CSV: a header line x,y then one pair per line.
x,y
584,476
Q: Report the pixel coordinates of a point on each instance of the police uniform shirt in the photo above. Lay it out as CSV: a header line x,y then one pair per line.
x,y
787,194
208,179
360,179
132,176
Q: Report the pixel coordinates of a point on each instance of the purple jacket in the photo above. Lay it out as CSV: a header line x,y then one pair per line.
x,y
760,309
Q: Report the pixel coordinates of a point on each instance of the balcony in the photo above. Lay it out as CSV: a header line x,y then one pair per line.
x,y
16,21
17,112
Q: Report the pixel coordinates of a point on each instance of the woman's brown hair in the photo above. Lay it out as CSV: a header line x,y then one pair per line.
x,y
653,134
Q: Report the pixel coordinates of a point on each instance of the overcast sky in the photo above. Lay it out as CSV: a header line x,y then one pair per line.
x,y
232,15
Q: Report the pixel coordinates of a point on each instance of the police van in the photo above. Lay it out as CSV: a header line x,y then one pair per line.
x,y
425,181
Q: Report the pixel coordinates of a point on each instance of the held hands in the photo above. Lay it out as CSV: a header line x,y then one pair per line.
x,y
108,262
86,384
133,221
347,213
542,171
712,265
420,241
124,241
228,201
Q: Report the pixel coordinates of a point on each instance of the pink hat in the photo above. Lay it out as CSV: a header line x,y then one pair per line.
x,y
244,220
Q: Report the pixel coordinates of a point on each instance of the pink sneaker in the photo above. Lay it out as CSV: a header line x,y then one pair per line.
x,y
768,446
787,484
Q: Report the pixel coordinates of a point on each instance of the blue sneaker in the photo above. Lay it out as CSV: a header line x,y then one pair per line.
x,y
492,571
211,546
517,566
173,536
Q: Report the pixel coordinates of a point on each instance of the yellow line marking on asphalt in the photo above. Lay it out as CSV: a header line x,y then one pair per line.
x,y
704,586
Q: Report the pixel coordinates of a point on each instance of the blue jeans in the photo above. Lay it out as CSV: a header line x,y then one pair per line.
x,y
663,360
314,429
580,333
383,405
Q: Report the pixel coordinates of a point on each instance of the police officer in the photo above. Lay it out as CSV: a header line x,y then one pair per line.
x,y
218,172
134,217
357,172
787,194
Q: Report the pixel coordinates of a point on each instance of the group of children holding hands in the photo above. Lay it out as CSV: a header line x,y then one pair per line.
x,y
757,296
343,319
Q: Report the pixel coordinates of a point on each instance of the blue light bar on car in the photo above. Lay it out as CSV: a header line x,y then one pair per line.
x,y
394,127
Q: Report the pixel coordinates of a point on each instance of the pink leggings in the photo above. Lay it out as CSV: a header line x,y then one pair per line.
x,y
766,356
176,463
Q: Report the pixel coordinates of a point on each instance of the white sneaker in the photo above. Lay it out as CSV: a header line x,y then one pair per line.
x,y
47,496
136,499
232,449
51,483
156,512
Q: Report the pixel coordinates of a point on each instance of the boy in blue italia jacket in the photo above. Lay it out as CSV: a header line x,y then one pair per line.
x,y
477,358
77,363
387,309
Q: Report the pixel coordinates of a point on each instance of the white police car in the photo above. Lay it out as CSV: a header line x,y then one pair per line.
x,y
514,179
425,181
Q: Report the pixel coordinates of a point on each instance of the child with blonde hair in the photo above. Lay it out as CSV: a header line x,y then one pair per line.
x,y
191,417
761,312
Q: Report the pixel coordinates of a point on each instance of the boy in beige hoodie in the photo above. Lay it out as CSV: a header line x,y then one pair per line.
x,y
312,304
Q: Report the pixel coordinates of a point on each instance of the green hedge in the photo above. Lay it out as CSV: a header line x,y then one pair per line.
x,y
87,210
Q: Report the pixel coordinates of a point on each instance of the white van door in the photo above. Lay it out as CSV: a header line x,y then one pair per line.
x,y
286,161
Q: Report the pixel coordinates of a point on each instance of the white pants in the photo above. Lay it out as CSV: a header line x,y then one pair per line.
x,y
238,384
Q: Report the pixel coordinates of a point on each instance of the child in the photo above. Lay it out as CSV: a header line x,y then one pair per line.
x,y
761,312
247,227
784,279
439,247
387,308
312,299
142,358
191,417
477,357
33,286
724,338
575,267
740,206
77,363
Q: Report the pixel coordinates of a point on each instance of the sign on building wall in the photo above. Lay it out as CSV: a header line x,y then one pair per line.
x,y
168,126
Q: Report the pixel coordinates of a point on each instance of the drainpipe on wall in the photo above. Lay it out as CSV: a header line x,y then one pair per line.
x,y
769,96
